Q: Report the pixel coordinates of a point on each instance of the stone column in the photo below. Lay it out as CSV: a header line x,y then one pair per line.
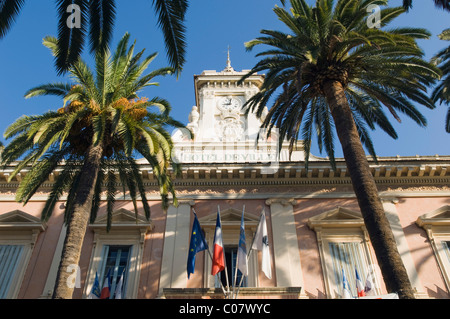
x,y
176,245
286,251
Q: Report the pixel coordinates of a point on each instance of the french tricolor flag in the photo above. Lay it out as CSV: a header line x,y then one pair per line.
x,y
105,293
218,262
359,285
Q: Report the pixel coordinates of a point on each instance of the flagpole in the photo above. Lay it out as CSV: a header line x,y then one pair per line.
x,y
221,285
210,255
242,278
237,263
248,255
239,287
254,235
225,261
235,273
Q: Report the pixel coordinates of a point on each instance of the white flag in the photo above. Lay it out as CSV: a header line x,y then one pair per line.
x,y
261,242
119,288
369,288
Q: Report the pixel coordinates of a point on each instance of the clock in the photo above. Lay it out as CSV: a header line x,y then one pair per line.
x,y
229,104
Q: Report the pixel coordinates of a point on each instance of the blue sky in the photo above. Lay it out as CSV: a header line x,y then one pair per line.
x,y
212,26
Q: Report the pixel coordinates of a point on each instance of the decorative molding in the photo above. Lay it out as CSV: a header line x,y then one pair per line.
x,y
423,173
18,221
437,217
282,201
189,202
437,226
217,293
123,219
337,218
230,217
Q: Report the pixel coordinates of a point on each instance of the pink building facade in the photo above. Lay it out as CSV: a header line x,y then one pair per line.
x,y
315,229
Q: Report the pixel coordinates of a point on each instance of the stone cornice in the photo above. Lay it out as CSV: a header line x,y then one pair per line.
x,y
426,171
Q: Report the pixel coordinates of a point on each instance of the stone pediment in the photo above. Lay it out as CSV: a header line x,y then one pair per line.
x,y
19,220
338,217
230,216
123,219
437,217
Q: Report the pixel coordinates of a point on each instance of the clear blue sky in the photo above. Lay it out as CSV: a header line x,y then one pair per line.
x,y
212,26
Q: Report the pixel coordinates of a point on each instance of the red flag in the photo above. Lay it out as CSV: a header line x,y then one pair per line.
x,y
218,263
106,287
359,285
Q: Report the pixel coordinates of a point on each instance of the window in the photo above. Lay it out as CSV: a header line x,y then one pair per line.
x,y
437,227
344,249
347,258
446,247
10,256
118,252
115,261
229,273
231,219
18,234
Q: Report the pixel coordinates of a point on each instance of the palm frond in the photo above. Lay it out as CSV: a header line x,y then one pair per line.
x,y
171,14
378,68
9,10
100,110
102,16
55,89
70,37
62,184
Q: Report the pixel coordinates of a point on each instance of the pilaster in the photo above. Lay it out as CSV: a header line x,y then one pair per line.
x,y
176,241
390,208
287,255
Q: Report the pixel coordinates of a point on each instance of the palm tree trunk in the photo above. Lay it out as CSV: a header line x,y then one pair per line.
x,y
380,232
77,225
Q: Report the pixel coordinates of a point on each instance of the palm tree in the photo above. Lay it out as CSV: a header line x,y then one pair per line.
x,y
101,127
332,70
97,19
443,4
442,92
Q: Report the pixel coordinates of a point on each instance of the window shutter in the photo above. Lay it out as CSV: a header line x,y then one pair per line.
x,y
9,260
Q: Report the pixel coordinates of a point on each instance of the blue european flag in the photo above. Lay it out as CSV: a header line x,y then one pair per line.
x,y
95,292
198,243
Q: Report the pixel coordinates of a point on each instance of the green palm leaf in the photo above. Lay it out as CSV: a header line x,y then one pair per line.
x,y
96,20
441,93
8,13
171,14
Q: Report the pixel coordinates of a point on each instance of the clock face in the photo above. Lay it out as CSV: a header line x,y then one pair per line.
x,y
229,104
